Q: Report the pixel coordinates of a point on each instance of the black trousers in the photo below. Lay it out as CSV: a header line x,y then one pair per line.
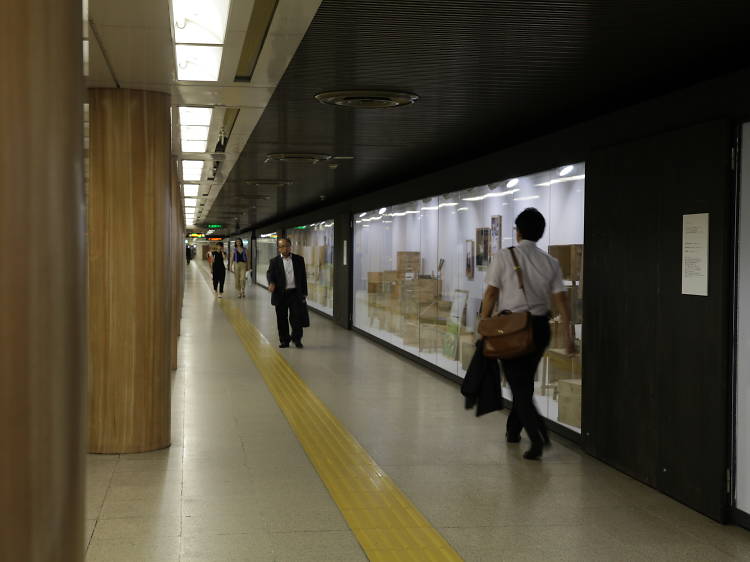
x,y
218,277
286,314
520,373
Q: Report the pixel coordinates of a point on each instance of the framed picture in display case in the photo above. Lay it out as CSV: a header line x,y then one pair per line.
x,y
496,233
469,257
483,248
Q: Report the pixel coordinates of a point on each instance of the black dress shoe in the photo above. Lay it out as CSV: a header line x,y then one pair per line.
x,y
298,344
512,438
284,344
533,454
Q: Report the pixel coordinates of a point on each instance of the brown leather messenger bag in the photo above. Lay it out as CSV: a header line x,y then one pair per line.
x,y
509,335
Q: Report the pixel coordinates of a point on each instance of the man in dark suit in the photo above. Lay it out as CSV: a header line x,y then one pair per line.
x,y
287,281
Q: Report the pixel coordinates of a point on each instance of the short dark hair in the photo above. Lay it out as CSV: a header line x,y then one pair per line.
x,y
220,244
284,240
530,223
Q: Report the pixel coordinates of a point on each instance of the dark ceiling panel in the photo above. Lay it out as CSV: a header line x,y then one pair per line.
x,y
489,74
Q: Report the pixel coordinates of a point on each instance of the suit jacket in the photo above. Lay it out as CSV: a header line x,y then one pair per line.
x,y
481,386
277,276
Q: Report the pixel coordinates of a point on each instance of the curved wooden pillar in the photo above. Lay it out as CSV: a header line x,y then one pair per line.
x,y
42,302
129,217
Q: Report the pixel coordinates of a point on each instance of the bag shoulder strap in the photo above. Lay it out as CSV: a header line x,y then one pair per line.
x,y
517,268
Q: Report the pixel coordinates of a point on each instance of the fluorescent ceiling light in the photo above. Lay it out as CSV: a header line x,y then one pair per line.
x,y
198,63
193,145
447,205
200,116
488,195
190,190
526,198
200,21
382,210
512,183
192,170
435,208
359,221
566,170
561,180
362,215
462,209
190,204
194,132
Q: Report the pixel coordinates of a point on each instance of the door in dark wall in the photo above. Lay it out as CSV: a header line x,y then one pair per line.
x,y
656,362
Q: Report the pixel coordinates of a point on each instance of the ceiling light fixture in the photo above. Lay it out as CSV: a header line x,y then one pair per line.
x,y
382,211
566,170
200,21
198,116
192,170
198,63
303,157
190,190
366,99
362,215
512,183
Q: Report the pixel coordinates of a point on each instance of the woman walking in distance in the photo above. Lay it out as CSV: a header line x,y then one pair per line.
x,y
239,257
218,269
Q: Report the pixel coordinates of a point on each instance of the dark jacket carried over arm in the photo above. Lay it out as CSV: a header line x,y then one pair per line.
x,y
481,387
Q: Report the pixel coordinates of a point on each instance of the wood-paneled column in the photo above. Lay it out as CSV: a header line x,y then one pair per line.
x,y
130,209
42,301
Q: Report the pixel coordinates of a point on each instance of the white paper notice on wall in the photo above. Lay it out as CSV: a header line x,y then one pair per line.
x,y
695,254
345,253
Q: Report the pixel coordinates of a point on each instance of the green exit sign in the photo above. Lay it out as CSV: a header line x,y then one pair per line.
x,y
215,226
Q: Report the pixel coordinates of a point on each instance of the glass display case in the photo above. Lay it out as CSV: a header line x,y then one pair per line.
x,y
419,274
315,243
265,250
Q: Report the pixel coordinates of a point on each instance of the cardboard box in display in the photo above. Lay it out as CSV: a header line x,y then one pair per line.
x,y
437,312
408,262
430,337
570,257
569,402
561,366
410,332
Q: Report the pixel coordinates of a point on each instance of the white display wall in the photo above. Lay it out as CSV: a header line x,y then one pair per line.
x,y
419,272
314,242
265,251
742,432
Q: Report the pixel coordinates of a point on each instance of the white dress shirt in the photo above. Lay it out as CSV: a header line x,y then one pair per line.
x,y
289,271
542,276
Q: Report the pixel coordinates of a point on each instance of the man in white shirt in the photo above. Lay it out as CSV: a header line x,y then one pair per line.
x,y
542,279
287,282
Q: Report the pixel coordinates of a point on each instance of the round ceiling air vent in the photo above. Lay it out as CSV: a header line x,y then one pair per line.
x,y
367,99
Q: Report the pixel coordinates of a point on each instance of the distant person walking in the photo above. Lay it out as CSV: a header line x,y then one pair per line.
x,y
287,282
239,258
188,253
218,269
542,279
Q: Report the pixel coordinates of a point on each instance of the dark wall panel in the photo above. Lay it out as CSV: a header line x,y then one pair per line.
x,y
656,373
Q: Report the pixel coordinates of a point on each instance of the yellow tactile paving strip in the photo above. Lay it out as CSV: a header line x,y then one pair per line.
x,y
387,525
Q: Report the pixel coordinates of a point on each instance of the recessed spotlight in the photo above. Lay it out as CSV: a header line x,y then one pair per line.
x,y
366,99
382,211
566,170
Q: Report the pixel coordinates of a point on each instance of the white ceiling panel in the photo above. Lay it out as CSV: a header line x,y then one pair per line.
x,y
132,13
139,55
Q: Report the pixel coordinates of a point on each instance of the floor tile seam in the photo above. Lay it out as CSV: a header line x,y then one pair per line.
x,y
234,319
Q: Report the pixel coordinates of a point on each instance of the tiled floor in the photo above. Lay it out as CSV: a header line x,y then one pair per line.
x,y
236,484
